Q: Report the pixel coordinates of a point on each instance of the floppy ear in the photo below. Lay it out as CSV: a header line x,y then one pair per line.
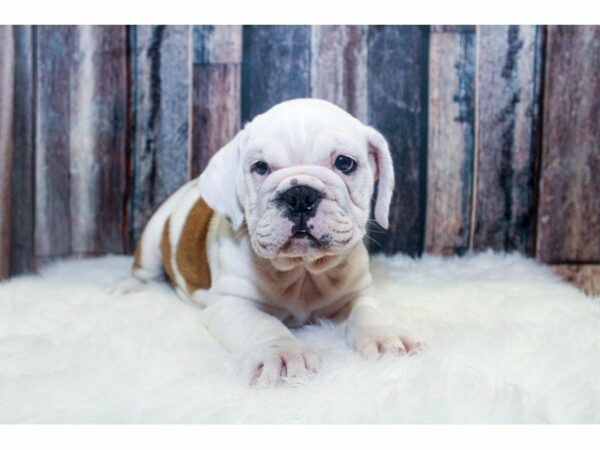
x,y
217,183
379,152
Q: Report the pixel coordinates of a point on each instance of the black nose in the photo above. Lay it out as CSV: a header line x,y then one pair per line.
x,y
301,200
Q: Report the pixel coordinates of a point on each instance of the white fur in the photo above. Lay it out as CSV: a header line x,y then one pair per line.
x,y
508,342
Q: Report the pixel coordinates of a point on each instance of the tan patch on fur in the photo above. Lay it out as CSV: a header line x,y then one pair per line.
x,y
191,257
165,249
137,255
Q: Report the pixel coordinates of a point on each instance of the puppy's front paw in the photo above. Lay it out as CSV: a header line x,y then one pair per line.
x,y
374,341
273,361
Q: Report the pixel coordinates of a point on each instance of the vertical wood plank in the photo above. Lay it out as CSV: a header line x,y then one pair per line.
x,y
509,71
98,106
276,66
22,181
161,104
339,66
397,80
52,161
217,44
451,139
216,90
569,205
7,64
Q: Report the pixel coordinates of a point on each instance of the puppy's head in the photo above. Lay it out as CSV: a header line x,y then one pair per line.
x,y
301,175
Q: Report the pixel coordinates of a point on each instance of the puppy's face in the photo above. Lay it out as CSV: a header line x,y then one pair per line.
x,y
303,176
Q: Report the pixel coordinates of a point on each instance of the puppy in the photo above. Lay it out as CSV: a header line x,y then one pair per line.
x,y
270,236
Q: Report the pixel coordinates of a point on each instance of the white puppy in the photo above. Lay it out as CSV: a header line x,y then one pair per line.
x,y
271,234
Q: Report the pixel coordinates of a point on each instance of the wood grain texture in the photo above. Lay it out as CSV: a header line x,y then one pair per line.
x,y
7,64
54,47
569,208
22,180
508,72
585,276
453,28
98,106
217,44
451,140
276,66
339,66
160,129
216,90
398,108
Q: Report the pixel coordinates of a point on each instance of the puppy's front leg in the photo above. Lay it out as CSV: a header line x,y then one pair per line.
x,y
266,348
371,335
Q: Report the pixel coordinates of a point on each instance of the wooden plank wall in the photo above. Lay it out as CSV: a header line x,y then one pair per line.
x,y
275,67
569,207
52,162
7,64
97,139
338,71
161,94
216,90
451,139
508,72
493,129
397,106
80,111
569,190
23,138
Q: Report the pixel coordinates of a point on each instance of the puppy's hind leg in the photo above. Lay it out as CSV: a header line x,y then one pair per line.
x,y
147,265
142,272
148,258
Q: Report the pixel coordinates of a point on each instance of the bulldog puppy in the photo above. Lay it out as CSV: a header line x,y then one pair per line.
x,y
270,236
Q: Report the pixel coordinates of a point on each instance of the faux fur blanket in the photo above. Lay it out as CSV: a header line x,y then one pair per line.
x,y
508,342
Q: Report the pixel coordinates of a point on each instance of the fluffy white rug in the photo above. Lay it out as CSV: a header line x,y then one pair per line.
x,y
509,342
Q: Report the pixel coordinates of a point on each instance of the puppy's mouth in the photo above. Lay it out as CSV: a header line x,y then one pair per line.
x,y
303,242
301,232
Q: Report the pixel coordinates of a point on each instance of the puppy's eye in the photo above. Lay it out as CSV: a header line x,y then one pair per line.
x,y
260,167
345,164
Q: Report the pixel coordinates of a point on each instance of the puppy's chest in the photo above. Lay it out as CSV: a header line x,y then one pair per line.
x,y
298,296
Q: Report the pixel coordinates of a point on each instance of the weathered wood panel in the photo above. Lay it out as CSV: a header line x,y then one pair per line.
x,y
160,129
217,44
451,139
81,106
508,72
97,127
339,66
569,208
22,180
217,90
397,80
276,66
92,117
52,160
585,276
7,64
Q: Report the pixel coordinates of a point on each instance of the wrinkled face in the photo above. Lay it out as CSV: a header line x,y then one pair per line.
x,y
303,178
308,181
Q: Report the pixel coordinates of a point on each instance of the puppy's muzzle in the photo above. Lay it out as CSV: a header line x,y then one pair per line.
x,y
300,203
